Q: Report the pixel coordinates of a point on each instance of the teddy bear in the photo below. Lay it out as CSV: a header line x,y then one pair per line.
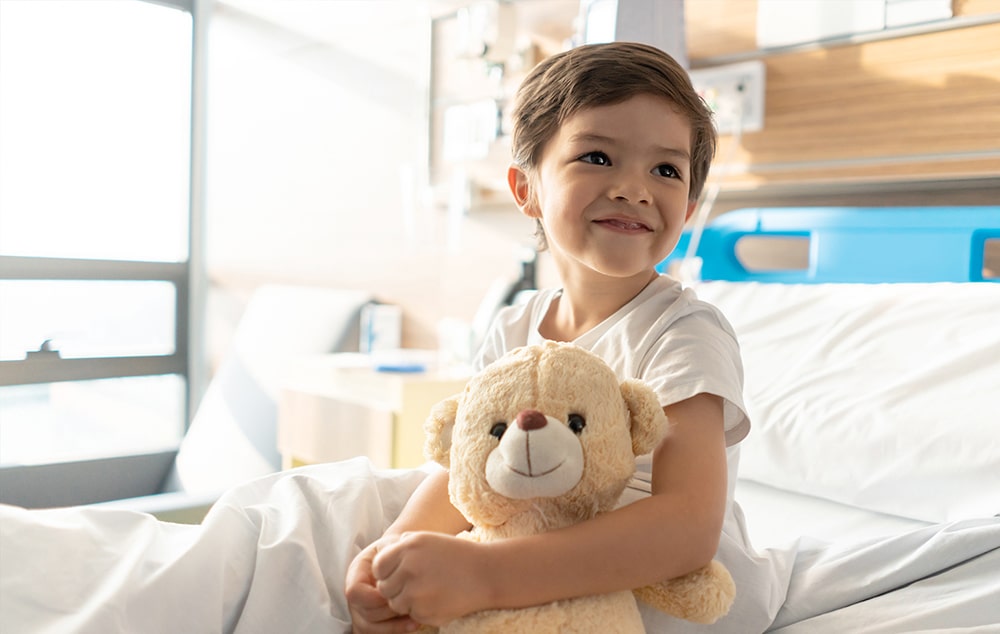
x,y
545,437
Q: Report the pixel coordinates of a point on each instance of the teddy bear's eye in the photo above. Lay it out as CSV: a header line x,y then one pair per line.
x,y
498,429
576,423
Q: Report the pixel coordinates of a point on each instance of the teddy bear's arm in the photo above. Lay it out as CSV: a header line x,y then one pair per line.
x,y
702,596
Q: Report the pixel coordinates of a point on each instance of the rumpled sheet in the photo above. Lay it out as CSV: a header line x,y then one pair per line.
x,y
271,555
941,578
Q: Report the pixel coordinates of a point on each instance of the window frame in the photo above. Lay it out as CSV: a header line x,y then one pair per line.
x,y
34,369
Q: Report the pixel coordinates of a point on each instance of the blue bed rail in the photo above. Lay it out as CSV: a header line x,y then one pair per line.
x,y
854,244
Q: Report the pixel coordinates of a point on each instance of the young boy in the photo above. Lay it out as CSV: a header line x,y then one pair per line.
x,y
611,148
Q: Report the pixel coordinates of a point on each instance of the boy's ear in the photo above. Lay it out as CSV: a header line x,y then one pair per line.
x,y
517,180
692,205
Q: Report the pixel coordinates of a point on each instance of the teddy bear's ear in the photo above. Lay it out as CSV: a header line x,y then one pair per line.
x,y
649,423
437,431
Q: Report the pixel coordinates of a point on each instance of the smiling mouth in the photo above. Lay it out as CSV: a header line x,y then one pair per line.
x,y
624,225
536,475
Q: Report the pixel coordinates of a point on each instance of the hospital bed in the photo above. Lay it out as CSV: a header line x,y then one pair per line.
x,y
873,383
870,480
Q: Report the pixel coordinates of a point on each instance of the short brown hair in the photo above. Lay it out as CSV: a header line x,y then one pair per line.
x,y
603,74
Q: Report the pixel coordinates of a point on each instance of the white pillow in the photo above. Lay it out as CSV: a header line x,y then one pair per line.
x,y
881,396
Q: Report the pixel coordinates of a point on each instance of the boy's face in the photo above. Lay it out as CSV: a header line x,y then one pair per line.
x,y
611,188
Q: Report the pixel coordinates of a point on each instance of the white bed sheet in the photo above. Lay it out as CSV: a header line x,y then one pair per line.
x,y
878,396
940,578
776,518
861,571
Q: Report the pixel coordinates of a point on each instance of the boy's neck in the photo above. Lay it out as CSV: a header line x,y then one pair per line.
x,y
583,305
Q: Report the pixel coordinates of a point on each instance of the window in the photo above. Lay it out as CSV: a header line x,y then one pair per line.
x,y
95,227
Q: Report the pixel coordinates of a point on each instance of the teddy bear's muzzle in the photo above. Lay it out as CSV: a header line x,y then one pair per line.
x,y
538,456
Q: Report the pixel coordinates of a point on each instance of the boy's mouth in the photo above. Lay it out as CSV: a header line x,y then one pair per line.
x,y
624,225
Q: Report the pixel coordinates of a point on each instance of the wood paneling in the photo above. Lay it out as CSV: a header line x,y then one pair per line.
x,y
925,106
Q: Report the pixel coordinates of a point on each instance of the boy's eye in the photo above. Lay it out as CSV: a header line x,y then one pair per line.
x,y
667,171
596,158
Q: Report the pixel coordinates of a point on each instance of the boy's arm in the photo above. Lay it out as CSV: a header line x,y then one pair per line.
x,y
430,509
672,532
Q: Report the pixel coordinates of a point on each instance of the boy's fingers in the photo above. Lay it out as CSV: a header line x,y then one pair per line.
x,y
385,562
365,596
372,613
382,614
394,626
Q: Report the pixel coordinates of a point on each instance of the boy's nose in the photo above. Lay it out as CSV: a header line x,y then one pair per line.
x,y
631,190
639,199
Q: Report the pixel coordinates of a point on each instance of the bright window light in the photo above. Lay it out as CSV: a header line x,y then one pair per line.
x,y
95,103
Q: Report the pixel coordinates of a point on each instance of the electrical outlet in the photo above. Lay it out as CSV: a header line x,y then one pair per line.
x,y
735,93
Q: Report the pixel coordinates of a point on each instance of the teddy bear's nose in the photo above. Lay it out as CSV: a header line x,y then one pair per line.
x,y
529,419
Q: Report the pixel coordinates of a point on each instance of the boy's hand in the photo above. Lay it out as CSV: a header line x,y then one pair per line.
x,y
435,578
370,612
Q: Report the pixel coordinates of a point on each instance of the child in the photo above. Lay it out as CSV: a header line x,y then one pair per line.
x,y
611,149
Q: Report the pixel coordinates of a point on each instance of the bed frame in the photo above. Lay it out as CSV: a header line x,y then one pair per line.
x,y
854,244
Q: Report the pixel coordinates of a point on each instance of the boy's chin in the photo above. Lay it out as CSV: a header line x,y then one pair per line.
x,y
628,273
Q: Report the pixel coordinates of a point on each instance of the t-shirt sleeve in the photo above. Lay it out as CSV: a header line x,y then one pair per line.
x,y
698,354
490,349
508,330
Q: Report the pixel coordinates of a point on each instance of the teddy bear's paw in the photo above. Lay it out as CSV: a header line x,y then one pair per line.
x,y
702,596
536,620
614,613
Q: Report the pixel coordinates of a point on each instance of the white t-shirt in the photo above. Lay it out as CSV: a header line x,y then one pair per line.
x,y
680,346
664,336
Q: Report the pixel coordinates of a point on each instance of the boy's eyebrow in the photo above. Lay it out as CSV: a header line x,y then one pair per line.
x,y
589,137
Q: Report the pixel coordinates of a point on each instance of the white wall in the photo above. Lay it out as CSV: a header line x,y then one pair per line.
x,y
315,110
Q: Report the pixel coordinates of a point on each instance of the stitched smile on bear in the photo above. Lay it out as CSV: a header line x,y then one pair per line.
x,y
538,456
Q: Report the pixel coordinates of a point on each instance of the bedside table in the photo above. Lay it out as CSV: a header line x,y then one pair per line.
x,y
335,407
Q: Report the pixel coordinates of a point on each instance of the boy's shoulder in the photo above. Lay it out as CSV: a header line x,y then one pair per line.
x,y
664,296
667,305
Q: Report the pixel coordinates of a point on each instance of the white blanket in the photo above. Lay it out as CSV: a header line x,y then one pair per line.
x,y
271,555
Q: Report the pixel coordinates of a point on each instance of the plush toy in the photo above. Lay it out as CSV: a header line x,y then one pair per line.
x,y
543,438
